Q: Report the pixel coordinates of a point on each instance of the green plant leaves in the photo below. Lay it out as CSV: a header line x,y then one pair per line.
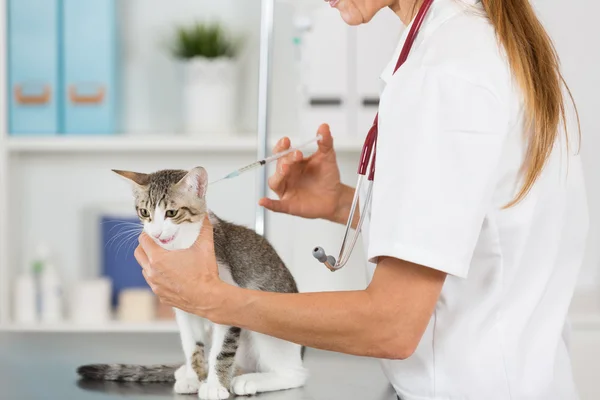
x,y
203,40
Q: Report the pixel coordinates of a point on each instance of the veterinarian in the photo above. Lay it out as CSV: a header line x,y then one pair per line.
x,y
476,229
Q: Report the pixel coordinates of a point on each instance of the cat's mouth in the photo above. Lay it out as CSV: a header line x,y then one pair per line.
x,y
167,240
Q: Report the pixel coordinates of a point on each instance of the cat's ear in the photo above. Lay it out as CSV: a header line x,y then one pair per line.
x,y
195,180
136,178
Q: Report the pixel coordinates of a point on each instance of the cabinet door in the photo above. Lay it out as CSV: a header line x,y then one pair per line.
x,y
375,44
89,102
326,73
33,64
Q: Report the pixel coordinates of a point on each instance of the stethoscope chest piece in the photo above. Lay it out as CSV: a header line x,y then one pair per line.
x,y
329,261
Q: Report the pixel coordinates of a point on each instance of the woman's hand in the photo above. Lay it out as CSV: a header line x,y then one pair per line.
x,y
185,279
309,187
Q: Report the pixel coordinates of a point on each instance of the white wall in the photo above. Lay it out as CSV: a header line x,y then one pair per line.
x,y
152,79
573,26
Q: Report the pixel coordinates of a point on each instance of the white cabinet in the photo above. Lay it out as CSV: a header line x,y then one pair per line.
x,y
326,74
342,69
375,44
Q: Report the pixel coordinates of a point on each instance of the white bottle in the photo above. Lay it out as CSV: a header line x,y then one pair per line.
x,y
51,291
25,308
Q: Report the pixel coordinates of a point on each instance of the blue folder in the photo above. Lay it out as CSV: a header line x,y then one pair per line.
x,y
89,35
33,64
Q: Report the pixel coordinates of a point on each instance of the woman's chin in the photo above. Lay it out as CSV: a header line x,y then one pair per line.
x,y
351,17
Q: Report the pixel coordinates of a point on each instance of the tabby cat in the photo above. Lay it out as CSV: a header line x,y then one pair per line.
x,y
171,205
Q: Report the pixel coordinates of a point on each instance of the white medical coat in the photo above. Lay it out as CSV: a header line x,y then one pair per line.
x,y
450,145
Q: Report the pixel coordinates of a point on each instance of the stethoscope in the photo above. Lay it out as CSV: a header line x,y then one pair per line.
x,y
367,156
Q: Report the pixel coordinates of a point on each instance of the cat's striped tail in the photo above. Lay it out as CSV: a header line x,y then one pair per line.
x,y
128,372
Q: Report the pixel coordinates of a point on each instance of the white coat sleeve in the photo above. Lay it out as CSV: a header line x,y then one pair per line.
x,y
438,150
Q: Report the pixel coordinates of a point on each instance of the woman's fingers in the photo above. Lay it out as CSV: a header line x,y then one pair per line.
x,y
206,233
151,249
326,143
274,205
276,181
281,145
283,170
141,257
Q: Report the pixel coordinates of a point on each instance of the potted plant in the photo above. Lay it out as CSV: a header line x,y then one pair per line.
x,y
210,89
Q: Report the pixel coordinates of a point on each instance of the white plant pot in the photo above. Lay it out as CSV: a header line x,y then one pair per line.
x,y
210,95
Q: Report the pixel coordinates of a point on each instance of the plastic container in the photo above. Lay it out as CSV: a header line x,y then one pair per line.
x,y
25,307
49,286
91,301
136,305
52,295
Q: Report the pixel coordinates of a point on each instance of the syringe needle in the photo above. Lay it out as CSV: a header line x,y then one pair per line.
x,y
267,160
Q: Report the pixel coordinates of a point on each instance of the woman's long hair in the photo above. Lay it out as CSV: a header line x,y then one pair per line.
x,y
536,66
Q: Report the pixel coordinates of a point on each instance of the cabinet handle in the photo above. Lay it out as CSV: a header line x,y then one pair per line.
x,y
77,98
370,102
324,101
29,99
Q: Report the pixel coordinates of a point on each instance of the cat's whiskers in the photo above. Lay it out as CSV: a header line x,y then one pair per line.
x,y
121,234
124,233
132,245
119,224
130,237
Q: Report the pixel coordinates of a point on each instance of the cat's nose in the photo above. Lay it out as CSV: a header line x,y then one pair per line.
x,y
157,235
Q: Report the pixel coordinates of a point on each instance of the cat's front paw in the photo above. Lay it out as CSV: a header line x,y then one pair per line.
x,y
242,386
180,373
187,385
212,391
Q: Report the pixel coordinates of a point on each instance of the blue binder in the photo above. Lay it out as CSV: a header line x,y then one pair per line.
x,y
118,262
33,41
89,35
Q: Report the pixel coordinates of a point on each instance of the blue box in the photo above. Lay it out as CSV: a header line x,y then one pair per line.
x,y
89,35
119,240
33,48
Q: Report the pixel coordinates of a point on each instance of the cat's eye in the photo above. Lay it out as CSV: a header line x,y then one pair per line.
x,y
171,213
143,213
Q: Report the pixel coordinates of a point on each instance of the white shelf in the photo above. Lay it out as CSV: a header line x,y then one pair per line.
x,y
149,143
111,327
130,144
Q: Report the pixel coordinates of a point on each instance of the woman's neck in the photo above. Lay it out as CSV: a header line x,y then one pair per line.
x,y
405,9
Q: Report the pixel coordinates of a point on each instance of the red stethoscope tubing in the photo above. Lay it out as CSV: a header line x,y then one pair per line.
x,y
371,139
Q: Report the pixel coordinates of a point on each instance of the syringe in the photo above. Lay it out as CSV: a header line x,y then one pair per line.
x,y
267,160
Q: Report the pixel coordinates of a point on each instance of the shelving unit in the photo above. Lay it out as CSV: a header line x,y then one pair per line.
x,y
31,164
111,327
129,143
36,153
